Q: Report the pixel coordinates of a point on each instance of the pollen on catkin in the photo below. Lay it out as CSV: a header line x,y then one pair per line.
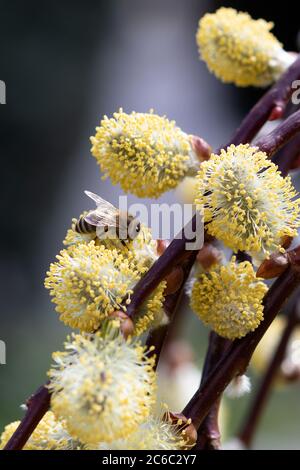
x,y
156,433
241,50
145,153
151,314
103,386
50,434
245,201
229,299
89,282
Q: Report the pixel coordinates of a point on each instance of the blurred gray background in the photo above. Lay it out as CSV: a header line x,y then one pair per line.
x,y
65,65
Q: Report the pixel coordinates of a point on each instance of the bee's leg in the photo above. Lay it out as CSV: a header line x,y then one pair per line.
x,y
124,244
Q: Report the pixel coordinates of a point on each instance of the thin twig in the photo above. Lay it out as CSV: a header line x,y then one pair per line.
x,y
174,254
277,96
158,337
37,405
285,131
208,433
288,155
256,408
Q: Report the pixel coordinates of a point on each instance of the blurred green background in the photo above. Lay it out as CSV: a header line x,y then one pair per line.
x,y
65,64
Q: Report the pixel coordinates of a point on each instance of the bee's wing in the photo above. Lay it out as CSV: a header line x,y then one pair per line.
x,y
106,214
102,217
100,202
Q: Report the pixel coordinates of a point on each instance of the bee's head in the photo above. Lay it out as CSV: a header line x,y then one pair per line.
x,y
134,228
138,227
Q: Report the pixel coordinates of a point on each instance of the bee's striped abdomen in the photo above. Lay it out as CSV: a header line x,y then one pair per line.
x,y
83,227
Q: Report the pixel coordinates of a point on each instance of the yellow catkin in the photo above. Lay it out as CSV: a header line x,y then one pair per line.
x,y
145,153
245,201
240,50
50,434
89,282
229,299
156,433
102,386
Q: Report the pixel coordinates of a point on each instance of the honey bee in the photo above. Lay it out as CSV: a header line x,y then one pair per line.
x,y
106,221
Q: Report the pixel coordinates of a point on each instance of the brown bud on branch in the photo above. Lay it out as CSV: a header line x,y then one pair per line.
x,y
201,148
179,419
278,263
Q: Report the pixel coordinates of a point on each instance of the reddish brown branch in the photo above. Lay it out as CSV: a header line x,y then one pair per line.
x,y
256,408
285,131
157,337
236,359
287,157
37,405
208,433
174,254
277,96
